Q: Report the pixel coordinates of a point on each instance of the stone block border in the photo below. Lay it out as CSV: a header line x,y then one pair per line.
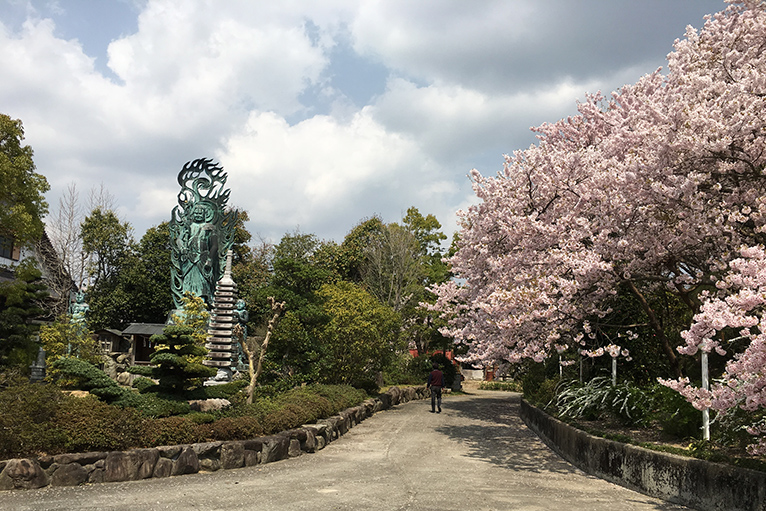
x,y
99,467
687,481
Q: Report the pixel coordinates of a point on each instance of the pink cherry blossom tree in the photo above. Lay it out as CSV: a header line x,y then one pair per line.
x,y
653,189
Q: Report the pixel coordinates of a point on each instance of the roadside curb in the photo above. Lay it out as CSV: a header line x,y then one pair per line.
x,y
700,484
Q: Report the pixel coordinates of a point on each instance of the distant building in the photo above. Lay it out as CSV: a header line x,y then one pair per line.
x,y
139,335
10,253
60,284
112,342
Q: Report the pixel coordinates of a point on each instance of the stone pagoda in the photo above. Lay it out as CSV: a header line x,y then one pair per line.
x,y
220,340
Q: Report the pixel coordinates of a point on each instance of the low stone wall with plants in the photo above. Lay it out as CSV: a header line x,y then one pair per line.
x,y
688,481
98,467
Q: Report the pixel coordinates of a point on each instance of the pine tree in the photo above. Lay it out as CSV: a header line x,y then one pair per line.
x,y
19,305
171,363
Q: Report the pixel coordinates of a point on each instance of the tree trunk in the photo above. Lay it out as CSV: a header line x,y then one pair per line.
x,y
657,327
250,347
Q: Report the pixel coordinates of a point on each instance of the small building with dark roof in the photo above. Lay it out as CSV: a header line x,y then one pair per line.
x,y
139,335
112,342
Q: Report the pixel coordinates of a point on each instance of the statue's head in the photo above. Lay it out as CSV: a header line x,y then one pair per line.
x,y
240,304
202,213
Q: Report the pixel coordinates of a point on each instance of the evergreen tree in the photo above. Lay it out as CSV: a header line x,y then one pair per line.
x,y
171,363
19,305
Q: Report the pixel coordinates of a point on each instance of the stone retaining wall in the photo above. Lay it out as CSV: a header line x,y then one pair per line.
x,y
98,467
688,481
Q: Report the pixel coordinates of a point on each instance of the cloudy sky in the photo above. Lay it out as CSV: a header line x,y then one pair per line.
x,y
322,112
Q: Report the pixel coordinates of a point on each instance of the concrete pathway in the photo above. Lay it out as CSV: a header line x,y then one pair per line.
x,y
476,455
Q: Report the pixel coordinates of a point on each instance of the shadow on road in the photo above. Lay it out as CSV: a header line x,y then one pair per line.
x,y
494,432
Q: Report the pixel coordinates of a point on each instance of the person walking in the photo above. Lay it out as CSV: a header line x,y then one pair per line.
x,y
436,383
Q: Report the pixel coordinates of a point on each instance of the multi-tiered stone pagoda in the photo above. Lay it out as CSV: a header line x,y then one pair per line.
x,y
220,342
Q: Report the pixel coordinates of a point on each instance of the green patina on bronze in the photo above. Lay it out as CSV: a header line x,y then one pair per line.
x,y
201,231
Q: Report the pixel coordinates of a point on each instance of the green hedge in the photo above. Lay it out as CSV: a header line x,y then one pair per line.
x,y
505,386
91,425
28,410
42,419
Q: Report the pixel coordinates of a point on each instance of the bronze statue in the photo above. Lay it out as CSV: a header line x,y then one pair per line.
x,y
201,231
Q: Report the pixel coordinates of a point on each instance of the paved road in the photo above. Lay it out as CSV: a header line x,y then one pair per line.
x,y
476,455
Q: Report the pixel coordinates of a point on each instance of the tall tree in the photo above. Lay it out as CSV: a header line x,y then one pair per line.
x,y
148,276
393,271
358,337
109,245
296,278
251,265
22,191
427,230
242,252
401,262
353,250
64,232
107,240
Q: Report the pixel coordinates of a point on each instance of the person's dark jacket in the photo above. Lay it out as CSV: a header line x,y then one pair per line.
x,y
435,379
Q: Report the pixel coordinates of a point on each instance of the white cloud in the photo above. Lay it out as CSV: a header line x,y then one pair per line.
x,y
191,56
188,77
452,122
321,173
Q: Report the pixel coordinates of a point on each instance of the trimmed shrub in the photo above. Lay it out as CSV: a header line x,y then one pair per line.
x,y
223,391
172,431
91,425
41,419
27,412
156,406
340,396
151,404
259,409
288,416
233,428
88,377
301,405
200,417
314,406
174,363
143,384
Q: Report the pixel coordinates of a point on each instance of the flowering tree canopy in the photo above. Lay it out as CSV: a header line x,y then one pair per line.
x,y
654,188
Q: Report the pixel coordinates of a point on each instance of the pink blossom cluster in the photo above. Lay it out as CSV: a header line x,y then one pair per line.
x,y
657,186
739,305
701,399
612,350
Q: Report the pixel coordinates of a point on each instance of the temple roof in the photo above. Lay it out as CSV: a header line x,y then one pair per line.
x,y
144,329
